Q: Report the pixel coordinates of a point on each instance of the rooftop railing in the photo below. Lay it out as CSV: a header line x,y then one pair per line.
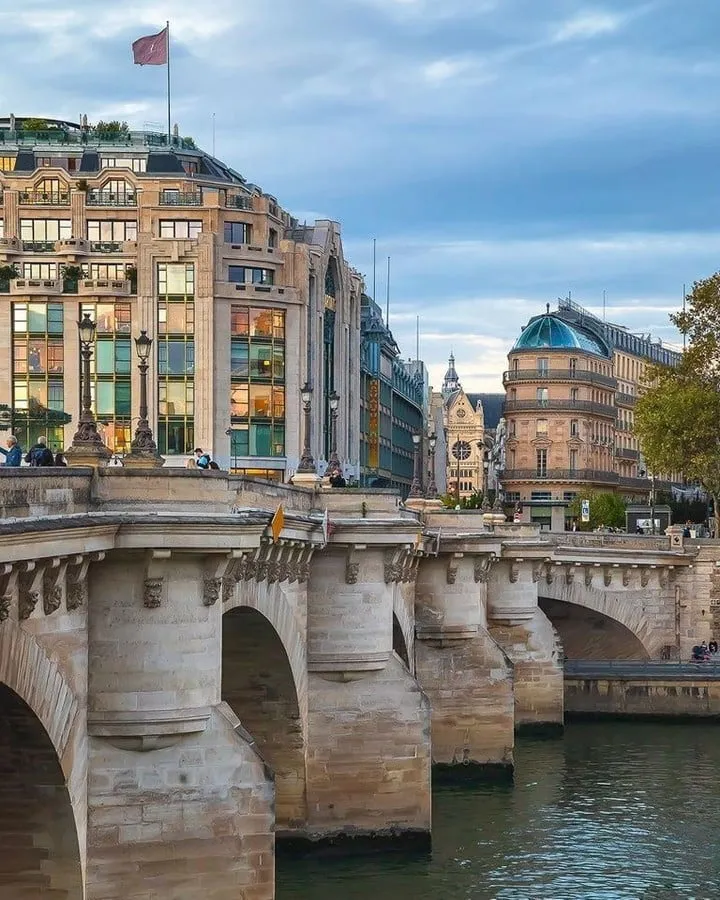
x,y
560,475
107,198
599,409
33,198
582,375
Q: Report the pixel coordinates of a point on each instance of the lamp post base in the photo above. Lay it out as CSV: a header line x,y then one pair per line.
x,y
305,479
90,454
138,459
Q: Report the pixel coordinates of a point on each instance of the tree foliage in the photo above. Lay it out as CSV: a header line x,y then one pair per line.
x,y
677,418
606,510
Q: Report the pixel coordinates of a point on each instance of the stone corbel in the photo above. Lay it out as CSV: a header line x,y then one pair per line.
x,y
588,576
625,576
513,572
54,584
644,576
31,580
481,568
352,564
608,574
550,570
412,567
663,577
537,570
76,590
216,568
393,569
304,564
9,575
154,585
569,574
452,567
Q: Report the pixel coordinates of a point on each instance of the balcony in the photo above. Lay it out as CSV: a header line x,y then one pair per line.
x,y
107,198
568,405
31,198
238,201
627,453
104,287
181,199
637,484
572,375
627,400
38,246
592,475
106,247
36,286
72,247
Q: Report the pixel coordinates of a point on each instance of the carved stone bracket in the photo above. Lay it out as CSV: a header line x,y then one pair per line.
x,y
608,575
452,568
588,576
550,570
625,576
54,584
481,568
31,580
9,575
644,576
513,572
76,589
392,567
216,567
153,587
352,564
537,570
569,574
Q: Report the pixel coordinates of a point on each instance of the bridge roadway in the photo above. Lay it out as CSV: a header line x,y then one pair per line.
x,y
179,688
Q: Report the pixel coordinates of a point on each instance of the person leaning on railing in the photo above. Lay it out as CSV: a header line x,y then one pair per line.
x,y
13,454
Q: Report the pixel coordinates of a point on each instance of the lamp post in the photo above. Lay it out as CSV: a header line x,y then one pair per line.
x,y
307,463
333,462
87,447
143,449
416,486
431,492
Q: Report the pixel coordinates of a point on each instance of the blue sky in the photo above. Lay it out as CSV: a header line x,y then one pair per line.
x,y
502,152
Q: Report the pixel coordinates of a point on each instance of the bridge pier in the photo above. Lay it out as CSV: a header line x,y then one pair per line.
x,y
368,770
179,802
465,674
527,636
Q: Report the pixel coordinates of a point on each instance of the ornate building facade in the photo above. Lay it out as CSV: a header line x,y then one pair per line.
x,y
243,304
571,388
467,435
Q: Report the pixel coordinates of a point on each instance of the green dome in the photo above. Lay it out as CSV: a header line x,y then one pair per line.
x,y
550,333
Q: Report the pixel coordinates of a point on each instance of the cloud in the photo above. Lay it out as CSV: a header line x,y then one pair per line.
x,y
587,25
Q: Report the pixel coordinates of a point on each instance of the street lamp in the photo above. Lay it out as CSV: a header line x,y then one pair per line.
x,y
416,486
307,463
143,449
333,462
87,447
432,492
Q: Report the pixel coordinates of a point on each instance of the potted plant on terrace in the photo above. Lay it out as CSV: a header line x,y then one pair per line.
x,y
8,273
70,275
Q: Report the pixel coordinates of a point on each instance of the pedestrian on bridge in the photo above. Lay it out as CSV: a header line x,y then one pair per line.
x,y
13,454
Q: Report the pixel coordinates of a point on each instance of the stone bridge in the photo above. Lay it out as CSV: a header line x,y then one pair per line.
x,y
178,687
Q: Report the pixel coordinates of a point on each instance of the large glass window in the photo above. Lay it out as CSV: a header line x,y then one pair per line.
x,y
541,462
110,370
45,230
257,394
249,275
238,233
179,228
44,271
106,271
136,163
176,357
38,368
111,230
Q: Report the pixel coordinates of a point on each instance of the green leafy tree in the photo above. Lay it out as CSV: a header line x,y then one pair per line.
x,y
677,420
606,510
35,124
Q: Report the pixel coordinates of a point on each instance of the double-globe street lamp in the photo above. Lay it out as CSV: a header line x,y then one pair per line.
x,y
87,447
432,492
143,449
416,490
333,461
307,463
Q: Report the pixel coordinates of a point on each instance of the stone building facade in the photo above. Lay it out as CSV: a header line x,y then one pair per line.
x,y
243,304
571,388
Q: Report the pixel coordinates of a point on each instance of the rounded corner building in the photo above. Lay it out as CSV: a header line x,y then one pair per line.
x,y
570,392
144,231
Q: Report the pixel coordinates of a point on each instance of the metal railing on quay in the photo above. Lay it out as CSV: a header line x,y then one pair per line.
x,y
627,669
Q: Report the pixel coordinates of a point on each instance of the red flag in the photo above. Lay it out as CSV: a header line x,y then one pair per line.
x,y
151,50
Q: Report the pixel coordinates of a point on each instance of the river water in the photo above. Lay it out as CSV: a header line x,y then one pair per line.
x,y
610,811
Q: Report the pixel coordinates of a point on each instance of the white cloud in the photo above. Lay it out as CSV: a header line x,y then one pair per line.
x,y
587,25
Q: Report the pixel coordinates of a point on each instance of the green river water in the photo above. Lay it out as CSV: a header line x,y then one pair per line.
x,y
610,811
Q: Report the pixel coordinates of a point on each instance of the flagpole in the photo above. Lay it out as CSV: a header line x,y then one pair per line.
x,y
167,38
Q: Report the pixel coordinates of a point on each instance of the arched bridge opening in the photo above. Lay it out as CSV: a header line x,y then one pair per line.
x,y
40,852
258,684
588,634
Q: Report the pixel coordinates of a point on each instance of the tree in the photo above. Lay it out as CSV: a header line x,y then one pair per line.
x,y
677,421
606,510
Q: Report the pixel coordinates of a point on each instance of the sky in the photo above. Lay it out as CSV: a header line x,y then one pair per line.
x,y
503,153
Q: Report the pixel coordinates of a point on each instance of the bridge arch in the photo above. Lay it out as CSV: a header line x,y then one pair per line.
x,y
264,681
38,828
588,633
